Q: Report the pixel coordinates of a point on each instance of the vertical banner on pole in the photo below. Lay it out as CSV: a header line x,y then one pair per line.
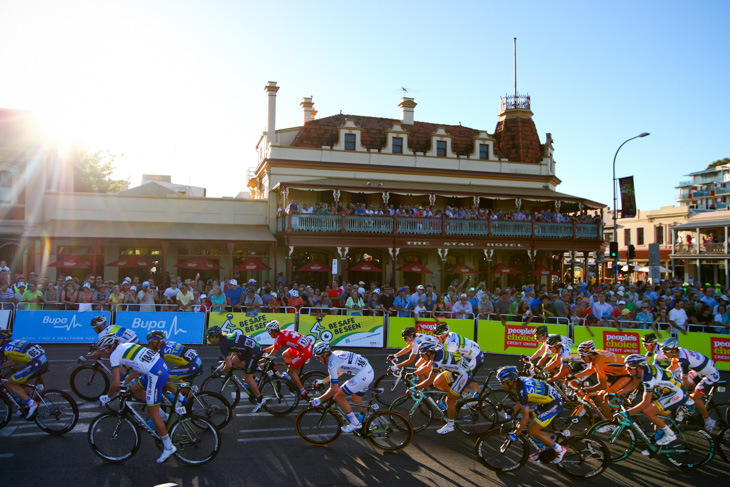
x,y
628,197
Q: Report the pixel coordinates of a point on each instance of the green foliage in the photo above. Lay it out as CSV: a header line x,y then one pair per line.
x,y
94,171
719,162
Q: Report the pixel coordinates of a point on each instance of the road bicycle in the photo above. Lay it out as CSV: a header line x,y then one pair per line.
x,y
277,388
91,379
723,444
57,411
688,415
473,416
210,405
385,430
502,451
389,382
693,447
116,437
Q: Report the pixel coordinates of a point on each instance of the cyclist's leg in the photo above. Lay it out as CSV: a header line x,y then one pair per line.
x,y
474,366
296,361
248,363
541,417
355,387
662,407
32,369
709,377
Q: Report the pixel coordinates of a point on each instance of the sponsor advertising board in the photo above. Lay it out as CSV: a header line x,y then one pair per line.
x,y
56,326
513,339
344,331
623,342
396,326
253,326
178,327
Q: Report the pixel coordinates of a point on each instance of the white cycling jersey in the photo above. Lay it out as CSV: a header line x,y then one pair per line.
x,y
136,357
341,362
420,338
457,344
124,335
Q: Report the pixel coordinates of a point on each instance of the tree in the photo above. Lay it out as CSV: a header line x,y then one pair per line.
x,y
719,162
93,173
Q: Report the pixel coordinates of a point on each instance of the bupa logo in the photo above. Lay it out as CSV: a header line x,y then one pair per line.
x,y
61,322
720,348
171,330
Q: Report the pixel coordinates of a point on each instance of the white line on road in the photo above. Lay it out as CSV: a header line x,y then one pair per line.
x,y
7,455
266,438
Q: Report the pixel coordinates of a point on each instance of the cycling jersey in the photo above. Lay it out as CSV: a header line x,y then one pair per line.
x,y
22,351
564,352
420,338
341,362
249,350
690,360
136,357
534,391
124,335
605,364
184,362
462,346
293,340
669,390
455,370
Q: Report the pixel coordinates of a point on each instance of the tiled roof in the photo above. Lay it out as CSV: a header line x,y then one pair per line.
x,y
324,132
518,140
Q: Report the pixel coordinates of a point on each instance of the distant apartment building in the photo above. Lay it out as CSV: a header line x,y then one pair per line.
x,y
708,190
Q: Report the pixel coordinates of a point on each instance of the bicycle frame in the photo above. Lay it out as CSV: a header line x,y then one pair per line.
x,y
627,422
34,393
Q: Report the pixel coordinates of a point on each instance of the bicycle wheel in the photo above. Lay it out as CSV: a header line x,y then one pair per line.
x,y
723,444
211,406
388,430
113,438
419,415
497,452
281,396
308,382
318,426
197,440
694,447
388,383
57,412
575,419
620,443
475,417
89,382
6,411
226,387
585,458
719,414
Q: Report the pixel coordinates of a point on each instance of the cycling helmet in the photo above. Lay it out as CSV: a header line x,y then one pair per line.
x,y
541,331
649,338
98,321
586,347
553,340
6,334
320,349
508,372
215,331
409,332
294,293
635,360
669,344
272,325
156,335
441,330
107,341
427,347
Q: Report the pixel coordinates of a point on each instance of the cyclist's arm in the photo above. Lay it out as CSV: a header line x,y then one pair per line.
x,y
553,363
407,361
228,362
645,403
524,419
426,367
9,363
114,387
270,351
329,393
544,359
563,372
629,387
428,381
601,386
539,352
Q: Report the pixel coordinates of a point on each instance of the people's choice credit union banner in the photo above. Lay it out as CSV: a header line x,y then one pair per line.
x,y
56,326
515,338
344,331
253,326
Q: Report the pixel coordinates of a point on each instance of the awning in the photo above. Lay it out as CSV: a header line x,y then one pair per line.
x,y
151,231
694,225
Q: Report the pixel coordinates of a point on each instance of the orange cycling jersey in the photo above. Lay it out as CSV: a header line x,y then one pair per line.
x,y
605,364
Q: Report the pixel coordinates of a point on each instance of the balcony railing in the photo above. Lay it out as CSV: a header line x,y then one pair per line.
x,y
389,225
705,248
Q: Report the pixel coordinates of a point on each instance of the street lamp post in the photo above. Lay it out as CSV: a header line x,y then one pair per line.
x,y
615,228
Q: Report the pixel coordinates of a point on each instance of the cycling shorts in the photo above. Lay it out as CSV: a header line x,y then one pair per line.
x,y
359,382
545,413
617,382
670,402
35,368
475,364
710,375
154,382
250,360
456,379
298,359
187,371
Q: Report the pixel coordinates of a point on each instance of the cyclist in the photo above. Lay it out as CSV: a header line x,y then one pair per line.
x,y
297,354
463,347
341,362
546,402
184,362
559,366
610,372
669,392
413,342
32,359
542,354
152,372
243,352
447,372
650,344
102,327
704,370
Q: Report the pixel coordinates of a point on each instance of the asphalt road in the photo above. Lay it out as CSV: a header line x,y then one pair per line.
x,y
260,449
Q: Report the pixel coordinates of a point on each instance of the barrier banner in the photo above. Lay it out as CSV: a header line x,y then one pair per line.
x,y
4,318
345,331
712,345
396,326
178,327
56,326
623,342
253,326
513,339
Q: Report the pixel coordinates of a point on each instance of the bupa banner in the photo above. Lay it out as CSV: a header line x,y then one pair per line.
x,y
56,326
515,338
344,331
253,326
178,327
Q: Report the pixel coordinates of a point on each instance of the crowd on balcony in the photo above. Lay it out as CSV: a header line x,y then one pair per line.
x,y
668,304
451,212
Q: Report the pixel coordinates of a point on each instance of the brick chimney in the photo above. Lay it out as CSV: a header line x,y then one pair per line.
x,y
271,90
307,109
407,106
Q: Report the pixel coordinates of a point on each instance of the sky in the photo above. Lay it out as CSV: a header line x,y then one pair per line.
x,y
177,86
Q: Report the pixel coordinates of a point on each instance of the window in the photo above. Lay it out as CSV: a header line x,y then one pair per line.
x,y
639,236
627,236
397,145
483,151
441,148
350,141
659,232
6,179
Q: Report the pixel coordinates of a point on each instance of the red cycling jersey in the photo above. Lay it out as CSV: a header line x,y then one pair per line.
x,y
293,340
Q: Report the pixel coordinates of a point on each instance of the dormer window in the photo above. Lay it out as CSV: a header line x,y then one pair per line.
x,y
484,151
441,148
350,141
397,145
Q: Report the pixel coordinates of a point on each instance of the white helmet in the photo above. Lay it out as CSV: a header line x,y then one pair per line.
x,y
107,341
272,325
321,348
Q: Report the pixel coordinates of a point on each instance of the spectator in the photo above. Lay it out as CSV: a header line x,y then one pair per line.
x,y
69,295
678,316
373,304
253,302
234,296
485,306
503,307
100,297
51,296
354,304
6,294
420,310
85,297
439,308
295,303
401,304
31,298
116,298
130,297
524,312
217,301
722,319
462,309
430,302
146,297
644,317
185,298
171,292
